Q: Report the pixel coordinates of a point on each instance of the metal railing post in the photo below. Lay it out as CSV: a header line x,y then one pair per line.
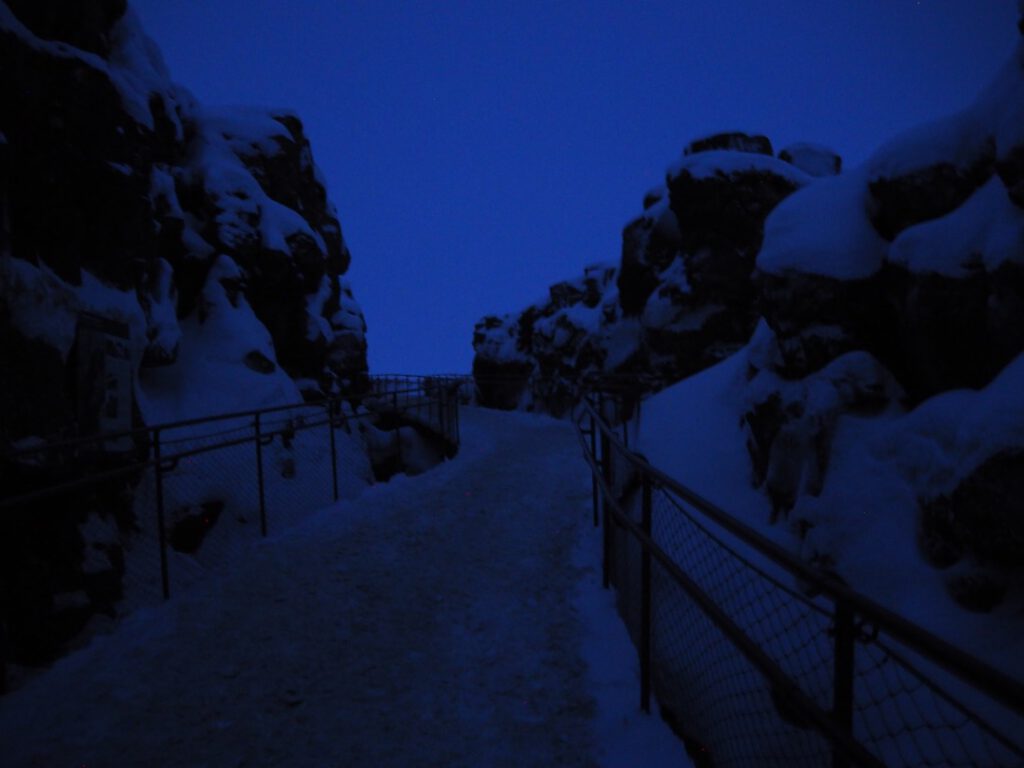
x,y
435,403
620,409
259,476
398,444
331,406
645,601
165,582
442,415
606,472
842,685
593,477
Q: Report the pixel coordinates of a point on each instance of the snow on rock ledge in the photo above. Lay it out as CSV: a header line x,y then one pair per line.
x,y
916,256
915,259
115,180
205,234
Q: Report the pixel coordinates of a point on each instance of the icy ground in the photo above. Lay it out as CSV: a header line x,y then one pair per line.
x,y
451,619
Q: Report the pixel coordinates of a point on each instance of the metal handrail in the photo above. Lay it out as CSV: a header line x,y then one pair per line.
x,y
955,660
781,682
168,425
964,666
148,432
83,470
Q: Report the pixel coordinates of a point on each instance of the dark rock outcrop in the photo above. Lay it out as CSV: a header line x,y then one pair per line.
x,y
812,159
927,193
735,141
191,525
981,517
200,234
113,173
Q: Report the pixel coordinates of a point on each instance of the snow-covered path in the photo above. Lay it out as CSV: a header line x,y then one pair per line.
x,y
432,622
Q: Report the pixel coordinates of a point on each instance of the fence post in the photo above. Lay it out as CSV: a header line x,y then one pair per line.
x,y
620,409
165,582
435,402
458,424
331,406
842,686
593,454
606,473
645,602
259,476
442,412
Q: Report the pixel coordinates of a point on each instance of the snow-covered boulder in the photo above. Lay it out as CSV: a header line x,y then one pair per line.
x,y
916,256
916,261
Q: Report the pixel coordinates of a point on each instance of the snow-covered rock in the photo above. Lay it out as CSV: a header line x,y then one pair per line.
x,y
205,235
917,256
115,177
680,299
874,410
914,261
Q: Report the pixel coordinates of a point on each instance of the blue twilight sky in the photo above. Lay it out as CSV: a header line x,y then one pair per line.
x,y
480,151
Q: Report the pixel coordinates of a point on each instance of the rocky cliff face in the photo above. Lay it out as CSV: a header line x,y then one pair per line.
x,y
885,301
125,198
896,291
682,295
194,249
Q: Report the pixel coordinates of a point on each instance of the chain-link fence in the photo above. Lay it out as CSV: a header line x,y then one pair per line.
x,y
108,523
758,660
425,400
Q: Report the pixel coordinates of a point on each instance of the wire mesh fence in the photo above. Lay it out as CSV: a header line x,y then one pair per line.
x,y
760,661
118,520
427,400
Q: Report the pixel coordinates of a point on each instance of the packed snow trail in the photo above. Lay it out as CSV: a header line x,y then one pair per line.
x,y
429,623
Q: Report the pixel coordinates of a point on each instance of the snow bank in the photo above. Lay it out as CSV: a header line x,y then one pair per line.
x,y
626,736
692,431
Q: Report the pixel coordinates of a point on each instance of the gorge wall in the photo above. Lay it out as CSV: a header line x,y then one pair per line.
x,y
682,295
888,294
197,244
125,198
